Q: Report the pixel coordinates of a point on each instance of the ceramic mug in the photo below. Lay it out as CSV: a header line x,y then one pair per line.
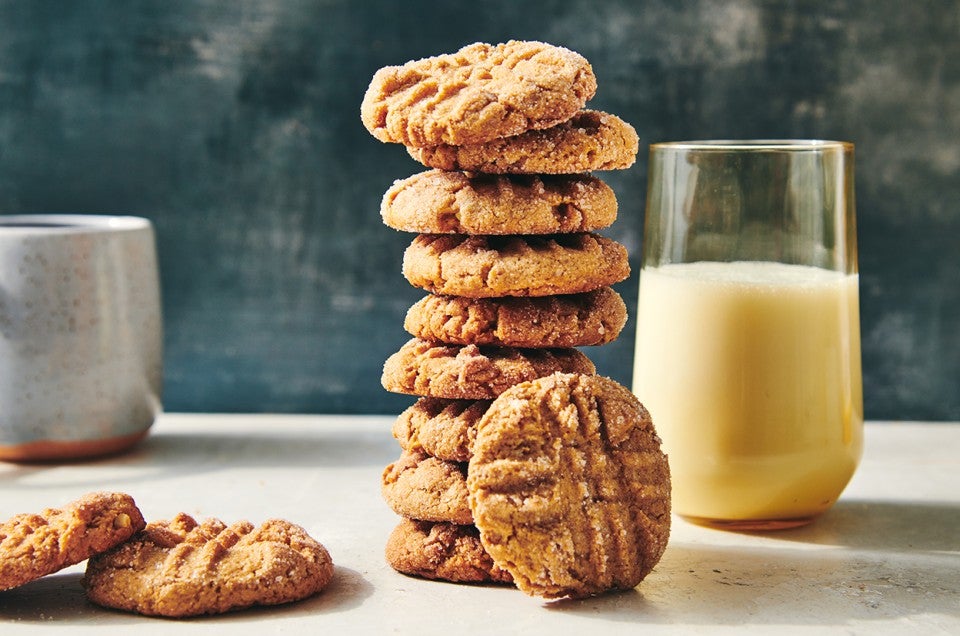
x,y
80,335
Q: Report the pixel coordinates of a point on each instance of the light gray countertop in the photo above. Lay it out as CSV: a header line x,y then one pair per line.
x,y
886,559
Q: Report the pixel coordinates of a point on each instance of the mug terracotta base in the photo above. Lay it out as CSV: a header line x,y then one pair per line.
x,y
53,450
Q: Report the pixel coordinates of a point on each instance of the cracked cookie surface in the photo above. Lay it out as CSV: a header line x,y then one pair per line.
x,y
496,266
182,567
478,93
34,545
569,487
419,486
439,202
442,428
575,320
442,551
591,140
469,372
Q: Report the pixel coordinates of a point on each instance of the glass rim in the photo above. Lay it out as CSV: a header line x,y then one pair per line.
x,y
725,145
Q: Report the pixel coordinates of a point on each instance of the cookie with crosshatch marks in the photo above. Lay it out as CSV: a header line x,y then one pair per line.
x,y
469,372
182,567
438,202
478,93
569,487
33,545
442,551
591,140
575,320
497,266
418,486
443,428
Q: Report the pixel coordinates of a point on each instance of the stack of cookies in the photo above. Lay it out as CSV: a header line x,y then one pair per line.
x,y
517,278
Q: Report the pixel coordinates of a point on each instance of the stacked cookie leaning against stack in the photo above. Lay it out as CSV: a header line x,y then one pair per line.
x,y
517,277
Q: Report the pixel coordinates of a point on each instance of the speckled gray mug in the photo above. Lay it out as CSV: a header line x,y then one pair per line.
x,y
80,335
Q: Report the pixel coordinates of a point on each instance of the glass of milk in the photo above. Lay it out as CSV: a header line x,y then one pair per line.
x,y
748,328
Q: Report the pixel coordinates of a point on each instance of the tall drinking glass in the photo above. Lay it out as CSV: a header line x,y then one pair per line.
x,y
748,327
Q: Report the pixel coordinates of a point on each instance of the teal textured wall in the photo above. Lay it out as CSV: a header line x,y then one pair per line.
x,y
234,126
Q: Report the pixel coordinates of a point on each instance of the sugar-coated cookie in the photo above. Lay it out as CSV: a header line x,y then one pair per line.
x,y
569,487
574,320
442,551
496,266
34,545
181,568
591,140
479,93
418,486
469,372
442,428
438,202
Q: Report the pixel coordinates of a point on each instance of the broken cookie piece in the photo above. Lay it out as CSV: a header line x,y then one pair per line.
x,y
34,545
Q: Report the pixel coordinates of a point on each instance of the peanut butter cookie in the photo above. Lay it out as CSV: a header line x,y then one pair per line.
x,y
591,140
495,266
438,202
418,486
569,487
442,428
575,320
479,93
181,568
34,545
442,551
470,372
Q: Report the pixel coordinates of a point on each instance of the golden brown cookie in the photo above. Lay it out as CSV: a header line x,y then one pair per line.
x,y
470,372
442,428
591,140
442,551
34,545
496,266
418,486
439,202
479,93
183,568
575,320
569,487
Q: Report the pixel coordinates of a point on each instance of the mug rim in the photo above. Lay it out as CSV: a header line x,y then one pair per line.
x,y
726,145
70,223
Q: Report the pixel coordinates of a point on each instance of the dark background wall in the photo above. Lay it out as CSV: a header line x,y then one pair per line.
x,y
234,126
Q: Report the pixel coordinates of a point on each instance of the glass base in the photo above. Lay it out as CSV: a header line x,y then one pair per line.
x,y
751,525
